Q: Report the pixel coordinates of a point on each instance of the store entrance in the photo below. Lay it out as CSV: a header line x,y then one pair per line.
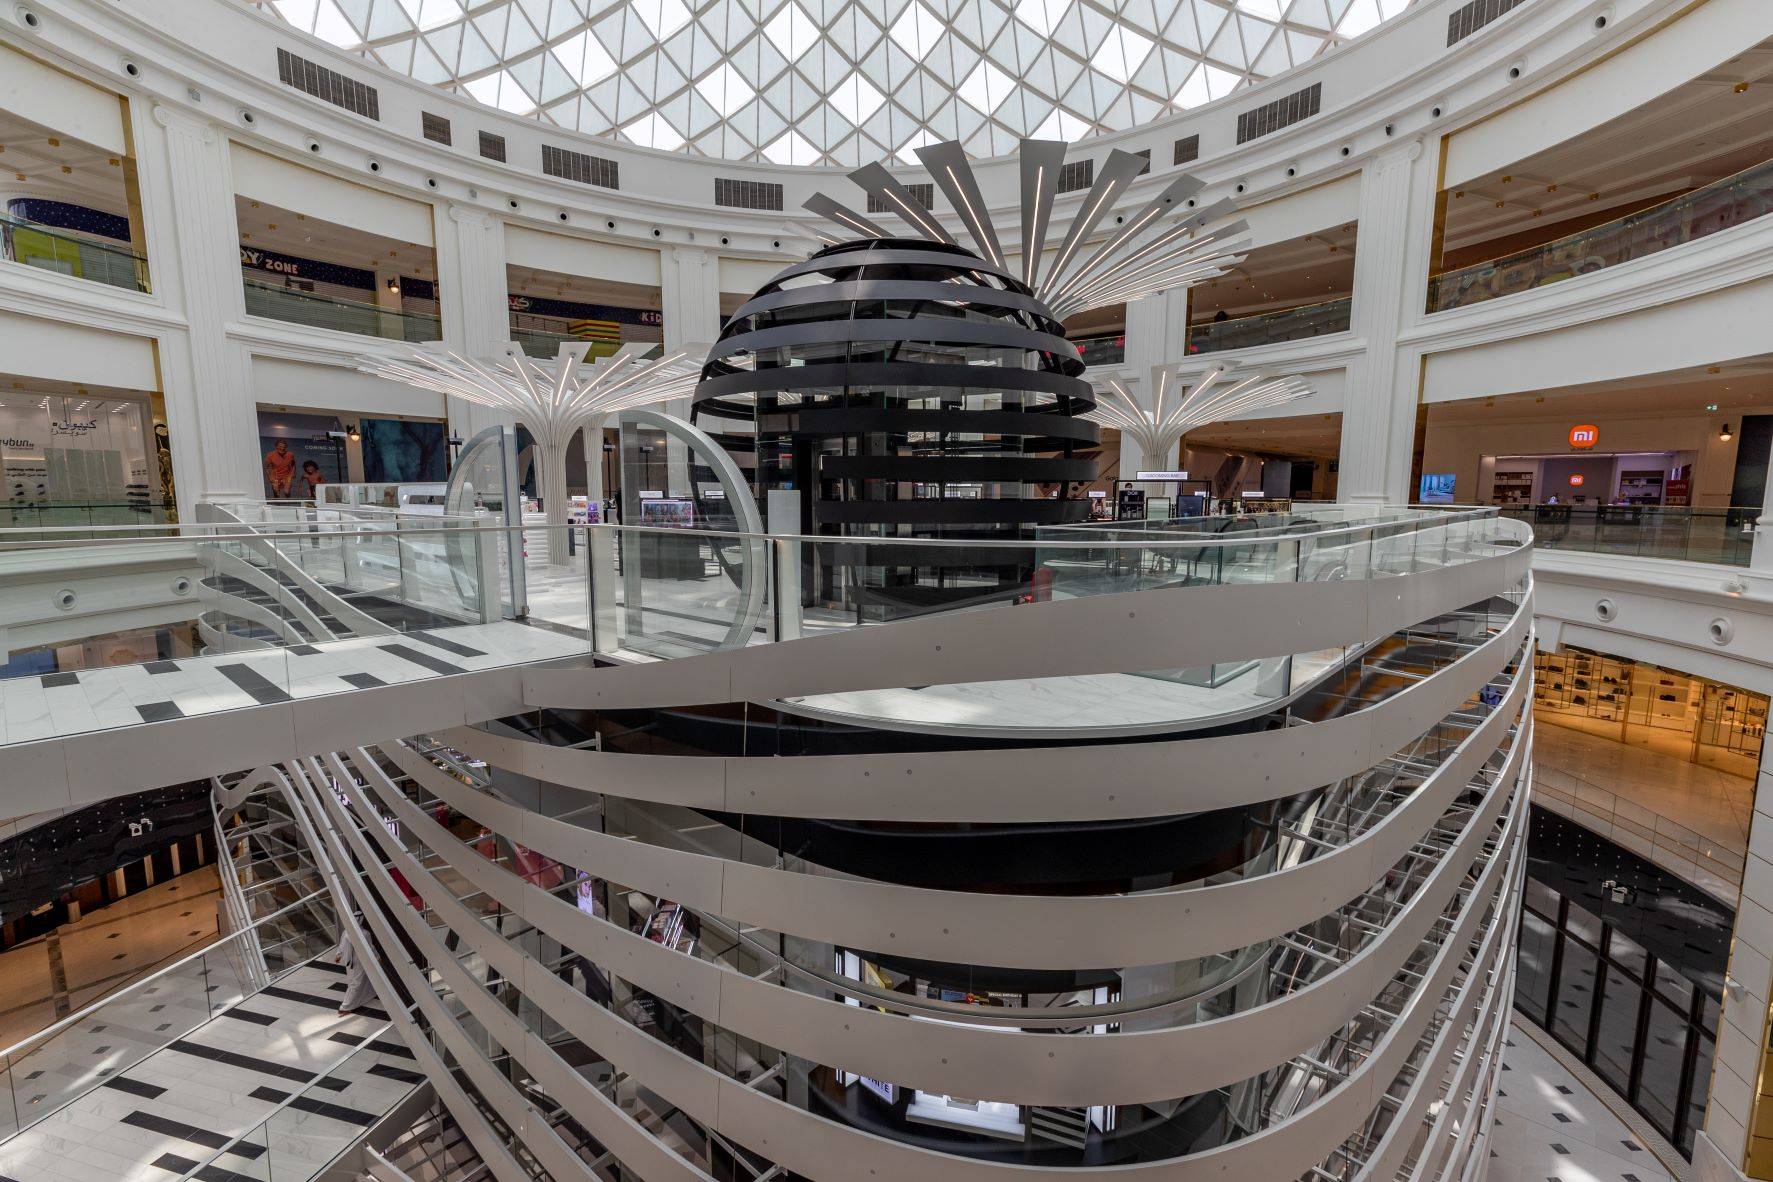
x,y
1609,478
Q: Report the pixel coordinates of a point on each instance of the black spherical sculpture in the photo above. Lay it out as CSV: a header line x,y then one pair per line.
x,y
908,389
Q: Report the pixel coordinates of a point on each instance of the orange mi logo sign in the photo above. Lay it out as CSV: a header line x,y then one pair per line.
x,y
1584,436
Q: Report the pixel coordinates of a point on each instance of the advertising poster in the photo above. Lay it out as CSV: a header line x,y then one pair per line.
x,y
400,451
298,454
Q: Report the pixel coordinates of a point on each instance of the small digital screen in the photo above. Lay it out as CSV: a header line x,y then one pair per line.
x,y
1436,488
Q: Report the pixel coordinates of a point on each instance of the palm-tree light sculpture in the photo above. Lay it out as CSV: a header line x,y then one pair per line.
x,y
1176,407
555,401
1165,243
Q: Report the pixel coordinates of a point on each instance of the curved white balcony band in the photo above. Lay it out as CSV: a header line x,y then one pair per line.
x,y
1023,931
807,1144
951,1057
1025,783
1109,633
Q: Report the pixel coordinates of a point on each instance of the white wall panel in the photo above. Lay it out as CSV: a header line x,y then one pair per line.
x,y
1716,326
571,255
321,195
279,382
60,102
66,351
1711,32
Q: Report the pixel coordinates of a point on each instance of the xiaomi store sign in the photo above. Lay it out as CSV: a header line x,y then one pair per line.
x,y
1584,436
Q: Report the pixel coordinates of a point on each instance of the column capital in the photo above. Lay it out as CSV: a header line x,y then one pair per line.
x,y
1393,159
691,254
467,215
183,122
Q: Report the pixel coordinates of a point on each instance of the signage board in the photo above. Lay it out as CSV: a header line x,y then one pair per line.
x,y
1161,476
1584,436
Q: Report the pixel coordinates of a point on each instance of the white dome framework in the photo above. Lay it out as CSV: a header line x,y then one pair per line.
x,y
1165,244
838,82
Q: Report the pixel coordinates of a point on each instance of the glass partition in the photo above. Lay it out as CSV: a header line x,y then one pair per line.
x,y
1704,211
338,314
1271,328
1722,536
68,253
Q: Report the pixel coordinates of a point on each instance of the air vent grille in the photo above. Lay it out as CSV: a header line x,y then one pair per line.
x,y
492,146
1079,174
580,167
1282,112
924,194
436,127
328,85
1187,149
747,194
1463,22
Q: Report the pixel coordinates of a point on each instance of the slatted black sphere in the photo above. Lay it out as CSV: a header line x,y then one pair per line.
x,y
907,389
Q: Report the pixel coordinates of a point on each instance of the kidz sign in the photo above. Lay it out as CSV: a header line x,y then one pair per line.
x,y
1584,436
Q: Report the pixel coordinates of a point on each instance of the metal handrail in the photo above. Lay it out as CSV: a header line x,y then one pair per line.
x,y
1662,832
308,529
202,1168
80,1015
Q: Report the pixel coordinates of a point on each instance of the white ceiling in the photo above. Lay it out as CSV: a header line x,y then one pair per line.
x,y
842,82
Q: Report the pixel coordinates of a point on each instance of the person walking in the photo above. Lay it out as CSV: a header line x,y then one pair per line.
x,y
359,991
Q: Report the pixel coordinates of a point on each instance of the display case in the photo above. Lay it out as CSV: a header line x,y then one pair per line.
x,y
1512,488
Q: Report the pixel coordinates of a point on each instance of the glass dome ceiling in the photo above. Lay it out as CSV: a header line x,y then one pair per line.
x,y
841,82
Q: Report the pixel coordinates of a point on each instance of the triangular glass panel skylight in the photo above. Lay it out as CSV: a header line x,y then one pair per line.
x,y
809,81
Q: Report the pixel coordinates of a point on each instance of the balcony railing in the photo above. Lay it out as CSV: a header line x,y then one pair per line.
x,y
1271,328
318,311
1108,349
545,345
67,253
1722,536
1705,211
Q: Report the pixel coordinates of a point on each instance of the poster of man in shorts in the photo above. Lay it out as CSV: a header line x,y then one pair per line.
x,y
280,466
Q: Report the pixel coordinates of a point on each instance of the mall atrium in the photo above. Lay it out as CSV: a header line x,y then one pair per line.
x,y
864,590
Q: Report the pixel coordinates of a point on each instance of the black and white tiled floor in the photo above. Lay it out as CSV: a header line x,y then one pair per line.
x,y
1550,1127
160,1117
57,704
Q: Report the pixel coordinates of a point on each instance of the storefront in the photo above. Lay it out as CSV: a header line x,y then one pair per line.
x,y
1692,718
1613,478
1581,453
77,452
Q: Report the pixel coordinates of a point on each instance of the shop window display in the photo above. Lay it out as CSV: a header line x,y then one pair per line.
x,y
77,453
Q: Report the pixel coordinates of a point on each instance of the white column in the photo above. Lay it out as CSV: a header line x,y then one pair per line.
x,y
689,293
472,294
1390,285
193,240
1760,555
1156,334
1722,1148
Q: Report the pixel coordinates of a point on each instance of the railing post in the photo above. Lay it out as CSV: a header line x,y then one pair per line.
x,y
784,560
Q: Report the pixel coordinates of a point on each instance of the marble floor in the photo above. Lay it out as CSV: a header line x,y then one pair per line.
x,y
1689,819
157,1118
1714,803
57,704
54,975
1549,1127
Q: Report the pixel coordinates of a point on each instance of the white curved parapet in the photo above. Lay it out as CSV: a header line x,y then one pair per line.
x,y
672,924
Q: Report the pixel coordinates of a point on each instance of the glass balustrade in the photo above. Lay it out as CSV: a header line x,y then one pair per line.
x,y
292,601
46,1071
317,311
1271,328
1706,210
545,346
1721,536
1110,349
53,519
67,253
